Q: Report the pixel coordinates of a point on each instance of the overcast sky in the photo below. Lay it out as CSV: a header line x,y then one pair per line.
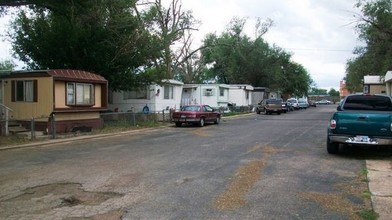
x,y
319,33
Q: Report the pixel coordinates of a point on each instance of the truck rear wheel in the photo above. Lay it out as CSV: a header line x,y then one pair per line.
x,y
332,147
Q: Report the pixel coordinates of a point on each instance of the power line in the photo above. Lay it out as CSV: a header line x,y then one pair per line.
x,y
321,49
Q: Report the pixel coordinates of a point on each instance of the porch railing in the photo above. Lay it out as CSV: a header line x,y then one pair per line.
x,y
5,117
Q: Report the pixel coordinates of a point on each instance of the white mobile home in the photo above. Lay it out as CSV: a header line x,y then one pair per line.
x,y
215,95
240,95
153,98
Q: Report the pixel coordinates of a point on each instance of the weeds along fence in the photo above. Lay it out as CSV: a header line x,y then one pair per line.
x,y
134,118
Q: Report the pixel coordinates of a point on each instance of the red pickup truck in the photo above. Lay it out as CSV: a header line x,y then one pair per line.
x,y
196,114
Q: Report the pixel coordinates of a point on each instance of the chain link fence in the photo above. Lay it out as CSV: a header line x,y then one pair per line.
x,y
135,118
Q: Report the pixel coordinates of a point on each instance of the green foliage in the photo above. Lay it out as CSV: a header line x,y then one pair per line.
x,y
104,37
7,65
375,29
317,91
333,92
237,59
168,26
132,47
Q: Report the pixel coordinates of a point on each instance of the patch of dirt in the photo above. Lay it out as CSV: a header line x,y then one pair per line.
x,y
42,199
350,201
242,182
244,179
201,132
333,202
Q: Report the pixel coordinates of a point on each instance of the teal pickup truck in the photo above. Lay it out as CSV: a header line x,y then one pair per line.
x,y
361,119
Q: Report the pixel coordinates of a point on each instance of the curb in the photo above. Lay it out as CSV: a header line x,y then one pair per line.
x,y
380,185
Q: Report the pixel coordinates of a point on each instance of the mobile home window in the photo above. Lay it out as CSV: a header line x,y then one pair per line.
x,y
221,92
136,94
80,94
24,90
366,89
168,92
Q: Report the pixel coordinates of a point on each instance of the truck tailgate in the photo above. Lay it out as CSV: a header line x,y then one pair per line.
x,y
366,123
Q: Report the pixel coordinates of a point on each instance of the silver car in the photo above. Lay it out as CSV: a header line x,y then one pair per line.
x,y
294,103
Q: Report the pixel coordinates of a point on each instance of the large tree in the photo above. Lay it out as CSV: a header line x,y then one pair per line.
x,y
172,26
104,36
375,30
129,42
236,58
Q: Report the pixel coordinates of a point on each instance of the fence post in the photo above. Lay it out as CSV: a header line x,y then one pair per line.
x,y
134,118
163,115
53,126
32,128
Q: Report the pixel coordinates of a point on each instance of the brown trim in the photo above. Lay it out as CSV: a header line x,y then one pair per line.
x,y
27,74
79,109
79,80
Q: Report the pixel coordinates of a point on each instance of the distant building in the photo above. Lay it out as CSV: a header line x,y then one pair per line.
x,y
374,84
343,92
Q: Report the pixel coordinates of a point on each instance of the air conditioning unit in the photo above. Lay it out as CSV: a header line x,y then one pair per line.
x,y
208,93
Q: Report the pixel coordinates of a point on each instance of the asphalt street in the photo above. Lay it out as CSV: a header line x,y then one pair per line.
x,y
253,166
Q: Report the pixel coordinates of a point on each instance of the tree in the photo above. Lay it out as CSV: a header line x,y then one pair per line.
x,y
170,26
6,65
332,92
105,37
375,29
237,59
317,91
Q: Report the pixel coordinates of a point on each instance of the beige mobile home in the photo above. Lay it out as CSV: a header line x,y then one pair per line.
x,y
70,98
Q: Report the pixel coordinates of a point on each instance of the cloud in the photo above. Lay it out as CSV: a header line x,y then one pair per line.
x,y
320,34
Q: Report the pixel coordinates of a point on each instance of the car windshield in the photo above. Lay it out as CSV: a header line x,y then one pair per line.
x,y
292,101
191,108
274,101
362,102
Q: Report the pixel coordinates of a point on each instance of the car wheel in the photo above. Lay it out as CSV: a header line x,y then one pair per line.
x,y
201,123
178,124
258,112
332,148
217,120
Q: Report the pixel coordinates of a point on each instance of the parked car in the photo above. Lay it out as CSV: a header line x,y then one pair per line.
x,y
312,103
323,102
196,114
269,106
294,103
303,104
286,107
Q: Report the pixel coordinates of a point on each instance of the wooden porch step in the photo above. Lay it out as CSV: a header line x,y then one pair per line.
x,y
16,129
13,124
